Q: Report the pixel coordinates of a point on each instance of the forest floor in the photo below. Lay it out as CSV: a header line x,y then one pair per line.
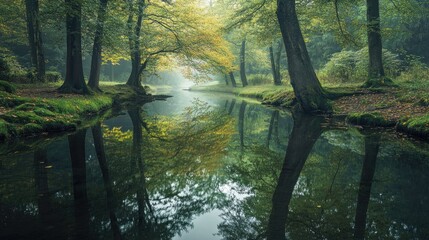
x,y
404,107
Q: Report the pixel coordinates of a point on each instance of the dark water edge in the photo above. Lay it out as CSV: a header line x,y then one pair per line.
x,y
236,169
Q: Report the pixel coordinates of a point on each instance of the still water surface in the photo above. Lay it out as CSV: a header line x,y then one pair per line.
x,y
199,166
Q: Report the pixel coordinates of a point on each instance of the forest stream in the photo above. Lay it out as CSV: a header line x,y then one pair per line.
x,y
200,166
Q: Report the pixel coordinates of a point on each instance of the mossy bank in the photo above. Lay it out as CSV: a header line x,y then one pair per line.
x,y
24,116
403,108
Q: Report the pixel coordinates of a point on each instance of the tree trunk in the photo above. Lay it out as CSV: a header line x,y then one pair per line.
x,y
306,130
94,76
226,79
35,38
277,62
307,88
102,160
375,48
231,107
74,81
134,41
233,82
243,64
372,144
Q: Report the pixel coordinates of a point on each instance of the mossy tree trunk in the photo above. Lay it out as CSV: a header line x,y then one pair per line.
x,y
74,81
35,38
243,64
306,86
134,41
94,76
233,82
376,75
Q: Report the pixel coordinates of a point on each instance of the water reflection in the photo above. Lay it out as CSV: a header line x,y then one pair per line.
x,y
272,175
306,130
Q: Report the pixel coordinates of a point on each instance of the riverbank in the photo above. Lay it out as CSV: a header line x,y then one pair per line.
x,y
404,107
31,110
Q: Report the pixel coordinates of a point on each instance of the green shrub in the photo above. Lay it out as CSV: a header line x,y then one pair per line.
x,y
352,66
7,87
416,72
52,76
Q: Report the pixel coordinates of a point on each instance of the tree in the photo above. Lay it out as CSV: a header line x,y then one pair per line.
x,y
275,63
375,68
74,81
306,86
243,63
35,38
233,82
134,40
94,76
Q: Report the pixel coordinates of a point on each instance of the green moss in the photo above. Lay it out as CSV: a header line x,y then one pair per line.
x,y
418,126
31,128
3,129
369,119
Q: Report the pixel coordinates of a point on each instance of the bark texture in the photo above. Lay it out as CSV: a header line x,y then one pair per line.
x,y
375,48
306,86
243,64
233,82
134,41
35,38
94,76
74,81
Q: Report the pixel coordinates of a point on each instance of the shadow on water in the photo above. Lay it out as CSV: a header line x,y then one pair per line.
x,y
271,174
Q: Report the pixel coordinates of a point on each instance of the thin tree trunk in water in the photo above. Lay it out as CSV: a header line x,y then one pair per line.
x,y
80,195
44,203
74,81
306,86
241,123
102,160
94,76
306,131
233,82
372,144
134,39
231,107
35,38
274,117
375,48
243,64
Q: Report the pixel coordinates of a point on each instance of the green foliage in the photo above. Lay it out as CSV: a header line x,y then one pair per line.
x,y
352,66
416,73
7,87
10,69
259,79
52,76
